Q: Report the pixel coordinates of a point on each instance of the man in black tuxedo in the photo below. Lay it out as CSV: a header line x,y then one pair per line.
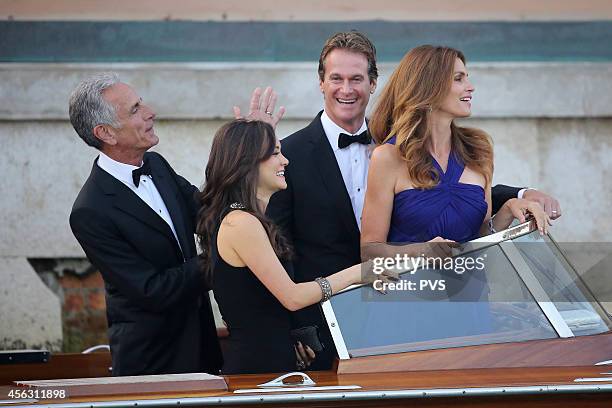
x,y
135,219
320,211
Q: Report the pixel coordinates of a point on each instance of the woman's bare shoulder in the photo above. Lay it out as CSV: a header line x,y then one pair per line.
x,y
386,155
239,220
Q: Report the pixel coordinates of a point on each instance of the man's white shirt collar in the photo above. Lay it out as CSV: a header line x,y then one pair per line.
x,y
121,171
352,161
147,192
332,130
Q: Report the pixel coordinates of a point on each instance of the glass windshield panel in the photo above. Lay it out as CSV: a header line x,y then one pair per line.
x,y
575,302
443,309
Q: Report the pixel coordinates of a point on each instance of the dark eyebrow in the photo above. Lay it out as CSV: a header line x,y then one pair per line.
x,y
136,104
460,73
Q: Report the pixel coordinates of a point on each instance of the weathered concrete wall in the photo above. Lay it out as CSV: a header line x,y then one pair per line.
x,y
207,91
568,158
30,314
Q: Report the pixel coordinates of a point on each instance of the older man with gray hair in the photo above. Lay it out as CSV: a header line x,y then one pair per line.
x,y
135,219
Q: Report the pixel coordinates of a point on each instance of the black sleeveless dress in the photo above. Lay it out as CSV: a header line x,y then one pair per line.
x,y
259,325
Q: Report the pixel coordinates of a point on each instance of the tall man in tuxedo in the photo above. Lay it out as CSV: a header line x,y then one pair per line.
x,y
320,210
135,219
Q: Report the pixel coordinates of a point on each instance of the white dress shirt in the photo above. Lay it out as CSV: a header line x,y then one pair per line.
x,y
353,161
146,189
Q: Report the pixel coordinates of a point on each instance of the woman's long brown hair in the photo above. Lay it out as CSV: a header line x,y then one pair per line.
x,y
419,84
231,176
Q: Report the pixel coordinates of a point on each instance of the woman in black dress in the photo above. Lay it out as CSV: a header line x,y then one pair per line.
x,y
246,256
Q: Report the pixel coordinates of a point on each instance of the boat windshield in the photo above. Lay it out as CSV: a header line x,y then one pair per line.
x,y
512,286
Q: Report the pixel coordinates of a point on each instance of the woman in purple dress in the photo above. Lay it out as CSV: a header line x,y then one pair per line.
x,y
430,179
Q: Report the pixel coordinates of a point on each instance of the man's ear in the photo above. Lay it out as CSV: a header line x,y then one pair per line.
x,y
105,134
321,85
372,86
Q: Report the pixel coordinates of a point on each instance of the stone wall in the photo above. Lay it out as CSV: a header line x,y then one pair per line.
x,y
29,311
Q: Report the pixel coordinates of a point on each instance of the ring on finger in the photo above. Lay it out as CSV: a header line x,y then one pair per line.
x,y
268,113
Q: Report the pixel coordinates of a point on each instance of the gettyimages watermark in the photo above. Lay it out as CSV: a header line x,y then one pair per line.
x,y
490,272
417,267
407,263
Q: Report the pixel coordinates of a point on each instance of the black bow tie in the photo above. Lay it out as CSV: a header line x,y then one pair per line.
x,y
345,140
144,170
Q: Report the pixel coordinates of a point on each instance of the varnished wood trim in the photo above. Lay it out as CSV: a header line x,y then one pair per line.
x,y
585,350
69,365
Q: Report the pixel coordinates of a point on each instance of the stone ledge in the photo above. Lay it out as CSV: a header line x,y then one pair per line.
x,y
207,91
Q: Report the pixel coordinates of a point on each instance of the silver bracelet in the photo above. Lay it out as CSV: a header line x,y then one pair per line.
x,y
326,289
491,227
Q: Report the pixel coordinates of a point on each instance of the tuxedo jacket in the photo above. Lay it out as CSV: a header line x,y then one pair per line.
x,y
159,315
316,214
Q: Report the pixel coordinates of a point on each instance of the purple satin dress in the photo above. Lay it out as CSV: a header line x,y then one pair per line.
x,y
451,210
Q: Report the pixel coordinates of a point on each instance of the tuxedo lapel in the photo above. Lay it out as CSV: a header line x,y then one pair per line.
x,y
169,193
128,202
327,165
